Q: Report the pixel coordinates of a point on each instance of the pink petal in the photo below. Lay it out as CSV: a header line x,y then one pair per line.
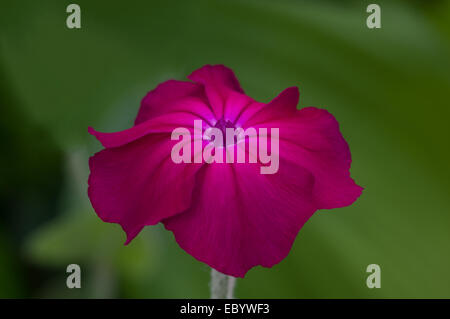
x,y
165,123
218,82
138,184
240,218
236,104
311,138
283,106
163,99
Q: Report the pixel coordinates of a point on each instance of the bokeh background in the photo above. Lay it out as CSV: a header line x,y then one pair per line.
x,y
389,89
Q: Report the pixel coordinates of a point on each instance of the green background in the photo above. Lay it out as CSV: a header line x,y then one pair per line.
x,y
388,88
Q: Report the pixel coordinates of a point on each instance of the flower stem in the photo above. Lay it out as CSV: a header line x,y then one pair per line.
x,y
222,286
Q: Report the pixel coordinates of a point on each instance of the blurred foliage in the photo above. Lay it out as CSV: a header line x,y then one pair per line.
x,y
388,88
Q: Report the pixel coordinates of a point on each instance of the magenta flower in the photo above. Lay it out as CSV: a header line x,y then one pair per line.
x,y
227,215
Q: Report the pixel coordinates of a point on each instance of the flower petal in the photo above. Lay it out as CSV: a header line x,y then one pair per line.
x,y
138,184
311,138
165,123
170,96
240,218
218,81
283,106
236,104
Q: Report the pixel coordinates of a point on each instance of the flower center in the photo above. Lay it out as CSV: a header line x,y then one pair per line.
x,y
222,125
